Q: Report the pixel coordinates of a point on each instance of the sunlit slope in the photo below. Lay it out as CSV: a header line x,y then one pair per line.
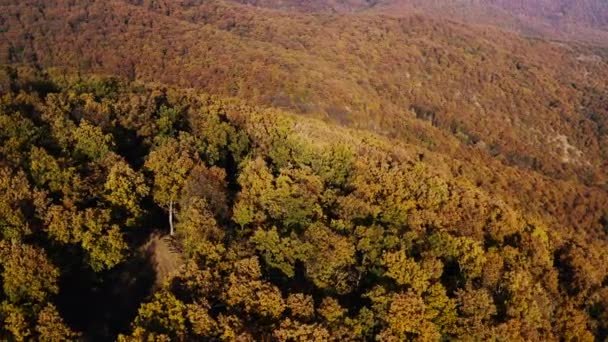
x,y
285,226
523,117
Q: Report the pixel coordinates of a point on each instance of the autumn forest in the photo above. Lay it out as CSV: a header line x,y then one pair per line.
x,y
358,170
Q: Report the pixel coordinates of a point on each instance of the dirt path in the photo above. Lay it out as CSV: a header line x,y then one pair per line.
x,y
163,256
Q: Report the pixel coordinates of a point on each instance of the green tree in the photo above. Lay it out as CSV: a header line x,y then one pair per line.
x,y
168,121
17,134
219,140
292,198
91,142
101,239
48,173
330,265
92,229
164,318
280,253
406,271
126,188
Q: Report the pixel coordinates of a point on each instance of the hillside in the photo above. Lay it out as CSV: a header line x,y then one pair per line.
x,y
580,20
290,228
568,20
334,170
526,114
312,6
527,102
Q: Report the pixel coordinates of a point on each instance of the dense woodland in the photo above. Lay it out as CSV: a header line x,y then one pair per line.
x,y
184,170
286,228
580,20
525,102
524,119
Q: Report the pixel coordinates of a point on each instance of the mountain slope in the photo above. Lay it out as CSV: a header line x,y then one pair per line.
x,y
523,116
585,20
289,227
332,170
367,70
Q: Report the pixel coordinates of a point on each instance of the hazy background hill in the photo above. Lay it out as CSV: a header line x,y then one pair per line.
x,y
573,20
339,6
584,20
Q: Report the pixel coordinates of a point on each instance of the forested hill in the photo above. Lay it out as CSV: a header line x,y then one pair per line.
x,y
313,6
333,170
528,103
572,20
287,228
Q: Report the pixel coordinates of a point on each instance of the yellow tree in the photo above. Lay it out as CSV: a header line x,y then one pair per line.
x,y
27,274
51,327
198,230
171,163
15,192
331,261
125,187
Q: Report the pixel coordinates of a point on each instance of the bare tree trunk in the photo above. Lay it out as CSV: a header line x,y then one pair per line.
x,y
171,216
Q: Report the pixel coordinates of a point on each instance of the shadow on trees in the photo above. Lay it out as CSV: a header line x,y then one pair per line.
x,y
102,305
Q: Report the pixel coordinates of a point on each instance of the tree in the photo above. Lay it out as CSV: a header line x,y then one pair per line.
x,y
330,264
199,232
296,197
15,193
92,229
168,121
102,240
17,133
468,253
171,163
406,271
256,181
442,308
573,324
48,173
16,325
211,185
280,253
163,318
476,310
91,142
220,140
126,188
272,135
202,323
27,274
331,310
409,318
290,330
50,326
248,291
301,305
291,199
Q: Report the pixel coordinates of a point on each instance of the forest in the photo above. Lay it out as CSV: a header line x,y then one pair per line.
x,y
262,170
286,228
